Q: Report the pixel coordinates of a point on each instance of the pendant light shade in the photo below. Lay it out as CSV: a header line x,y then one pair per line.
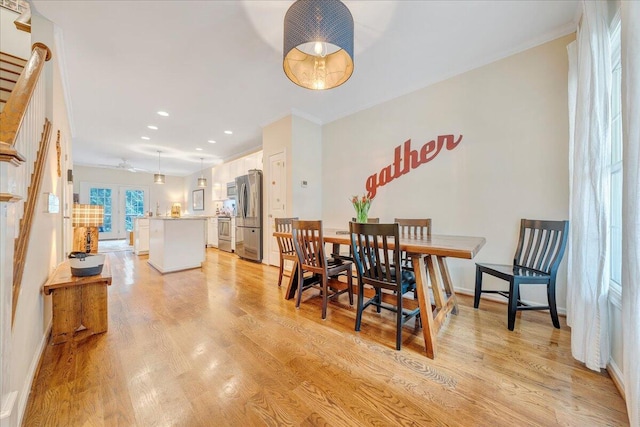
x,y
158,178
318,44
202,181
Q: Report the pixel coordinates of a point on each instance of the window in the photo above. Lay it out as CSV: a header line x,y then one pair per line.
x,y
616,158
134,207
102,196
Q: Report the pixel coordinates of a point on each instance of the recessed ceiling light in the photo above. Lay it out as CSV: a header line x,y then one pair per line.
x,y
228,132
163,113
146,138
211,141
153,127
198,149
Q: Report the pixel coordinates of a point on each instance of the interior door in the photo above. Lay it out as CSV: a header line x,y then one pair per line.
x,y
277,194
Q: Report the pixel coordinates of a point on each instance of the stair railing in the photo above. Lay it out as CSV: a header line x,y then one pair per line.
x,y
24,140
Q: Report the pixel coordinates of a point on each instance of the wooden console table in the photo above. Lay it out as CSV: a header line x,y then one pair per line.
x,y
79,303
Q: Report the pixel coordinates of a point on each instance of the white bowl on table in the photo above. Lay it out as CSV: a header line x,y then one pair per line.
x,y
83,264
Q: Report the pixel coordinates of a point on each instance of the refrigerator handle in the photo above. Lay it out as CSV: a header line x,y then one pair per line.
x,y
244,200
239,196
241,200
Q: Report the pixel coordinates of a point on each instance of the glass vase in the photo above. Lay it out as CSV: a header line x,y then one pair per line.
x,y
362,216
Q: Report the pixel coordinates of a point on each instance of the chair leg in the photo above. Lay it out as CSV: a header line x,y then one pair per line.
x,y
360,306
300,283
551,297
399,322
514,289
350,284
280,271
378,300
476,297
325,296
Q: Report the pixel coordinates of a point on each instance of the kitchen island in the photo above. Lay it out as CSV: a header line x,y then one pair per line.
x,y
176,243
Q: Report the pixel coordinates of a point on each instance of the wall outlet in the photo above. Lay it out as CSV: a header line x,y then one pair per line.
x,y
303,184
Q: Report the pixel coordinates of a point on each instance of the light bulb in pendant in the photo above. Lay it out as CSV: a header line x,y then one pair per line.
x,y
320,49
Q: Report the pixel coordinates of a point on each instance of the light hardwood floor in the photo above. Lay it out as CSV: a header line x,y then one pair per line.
x,y
220,346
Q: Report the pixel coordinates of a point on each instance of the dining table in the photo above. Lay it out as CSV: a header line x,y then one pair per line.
x,y
429,257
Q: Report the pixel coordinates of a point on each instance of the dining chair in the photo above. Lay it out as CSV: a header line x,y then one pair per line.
x,y
309,246
285,244
540,249
418,228
378,266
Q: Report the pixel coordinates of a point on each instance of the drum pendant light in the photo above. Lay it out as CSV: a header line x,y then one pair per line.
x,y
158,178
202,181
318,44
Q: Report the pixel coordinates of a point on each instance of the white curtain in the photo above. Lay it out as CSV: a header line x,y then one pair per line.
x,y
630,53
589,163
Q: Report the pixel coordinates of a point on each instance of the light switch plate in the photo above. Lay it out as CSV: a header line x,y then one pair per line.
x,y
53,203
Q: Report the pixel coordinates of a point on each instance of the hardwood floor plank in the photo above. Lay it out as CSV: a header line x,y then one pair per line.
x,y
221,346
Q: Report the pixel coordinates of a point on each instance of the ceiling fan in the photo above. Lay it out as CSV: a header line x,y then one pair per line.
x,y
125,165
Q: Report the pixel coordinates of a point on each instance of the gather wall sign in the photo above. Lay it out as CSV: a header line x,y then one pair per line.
x,y
405,160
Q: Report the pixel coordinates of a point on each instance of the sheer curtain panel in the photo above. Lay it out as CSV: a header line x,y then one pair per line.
x,y
630,34
589,160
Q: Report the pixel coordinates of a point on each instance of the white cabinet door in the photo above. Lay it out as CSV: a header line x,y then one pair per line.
x,y
141,238
212,232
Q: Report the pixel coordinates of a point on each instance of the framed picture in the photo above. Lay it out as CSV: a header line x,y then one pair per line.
x,y
198,200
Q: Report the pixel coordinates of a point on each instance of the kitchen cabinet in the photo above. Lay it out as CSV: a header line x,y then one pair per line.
x,y
141,236
212,232
227,172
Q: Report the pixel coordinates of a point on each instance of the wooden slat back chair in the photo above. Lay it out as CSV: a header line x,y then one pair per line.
x,y
412,228
540,249
285,244
349,256
376,263
309,245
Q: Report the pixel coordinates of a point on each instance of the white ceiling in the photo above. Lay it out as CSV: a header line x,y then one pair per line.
x,y
217,65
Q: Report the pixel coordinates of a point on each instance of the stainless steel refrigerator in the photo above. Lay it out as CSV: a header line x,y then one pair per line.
x,y
249,217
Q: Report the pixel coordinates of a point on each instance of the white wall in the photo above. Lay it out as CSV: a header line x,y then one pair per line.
x,y
164,194
306,165
301,141
16,43
33,312
511,163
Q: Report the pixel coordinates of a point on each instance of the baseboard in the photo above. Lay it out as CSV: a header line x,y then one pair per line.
x,y
7,406
33,370
616,375
493,297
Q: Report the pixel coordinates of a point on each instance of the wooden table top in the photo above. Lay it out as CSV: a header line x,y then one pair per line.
x,y
62,277
436,244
